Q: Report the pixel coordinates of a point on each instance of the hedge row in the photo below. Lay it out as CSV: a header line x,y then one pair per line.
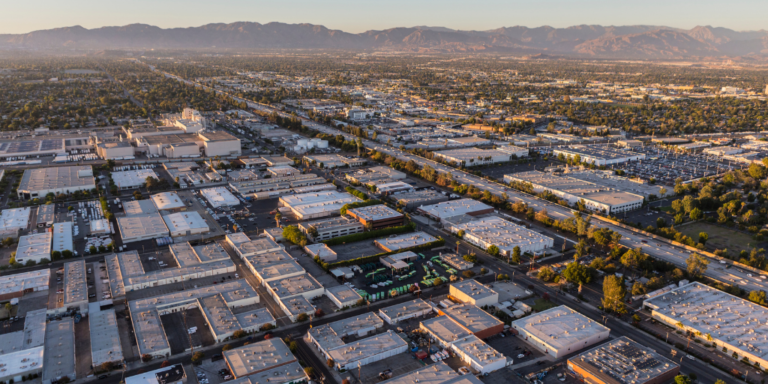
x,y
357,193
410,227
368,259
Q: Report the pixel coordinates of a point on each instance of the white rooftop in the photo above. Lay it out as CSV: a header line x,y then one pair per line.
x,y
503,233
560,327
132,178
257,357
167,200
185,221
27,280
14,219
62,237
34,247
363,349
105,338
220,197
455,208
406,240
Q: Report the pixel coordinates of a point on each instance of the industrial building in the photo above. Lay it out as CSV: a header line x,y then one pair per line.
x,y
145,313
127,273
173,374
399,261
141,227
377,216
105,337
34,247
404,241
374,175
598,154
118,150
387,188
287,287
479,355
245,247
456,261
296,306
32,336
267,361
45,215
22,363
452,208
186,224
502,233
220,198
16,285
608,180
473,318
513,151
343,296
404,311
595,197
560,331
323,251
623,361
132,179
317,204
220,143
368,350
325,229
330,336
167,202
439,373
282,171
75,292
62,237
59,358
444,330
277,186
139,207
731,322
333,161
413,200
473,292
14,220
38,182
469,157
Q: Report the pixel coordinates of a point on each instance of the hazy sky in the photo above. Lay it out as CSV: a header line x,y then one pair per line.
x,y
361,15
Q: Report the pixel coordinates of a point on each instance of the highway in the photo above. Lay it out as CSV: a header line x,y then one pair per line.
x,y
657,249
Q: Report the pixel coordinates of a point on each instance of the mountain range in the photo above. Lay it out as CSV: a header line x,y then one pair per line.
x,y
616,42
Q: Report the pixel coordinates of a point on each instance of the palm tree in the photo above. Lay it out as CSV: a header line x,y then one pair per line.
x,y
708,337
680,325
457,246
278,216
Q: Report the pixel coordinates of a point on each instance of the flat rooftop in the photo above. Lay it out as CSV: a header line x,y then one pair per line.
x,y
329,336
406,309
45,212
472,317
466,154
478,351
151,225
43,179
606,179
331,223
406,240
343,293
276,270
503,233
455,208
560,327
257,246
258,357
623,361
725,317
14,219
37,280
170,139
599,151
289,373
418,196
510,291
218,136
132,178
75,284
297,305
105,338
62,237
575,186
257,317
294,285
167,200
185,221
59,349
315,197
439,373
139,207
363,349
445,329
375,212
15,360
34,247
220,197
474,289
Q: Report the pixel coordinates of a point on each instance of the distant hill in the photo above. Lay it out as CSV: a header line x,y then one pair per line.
x,y
635,42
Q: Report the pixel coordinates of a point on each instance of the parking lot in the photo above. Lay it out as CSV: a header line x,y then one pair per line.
x,y
666,165
208,371
357,249
498,171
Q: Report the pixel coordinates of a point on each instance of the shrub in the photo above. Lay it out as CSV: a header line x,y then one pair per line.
x,y
472,258
356,193
238,334
302,317
146,357
226,347
468,274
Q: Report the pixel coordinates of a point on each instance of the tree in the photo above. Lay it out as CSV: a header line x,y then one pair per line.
x,y
147,357
577,274
582,248
472,258
493,250
330,363
696,214
516,255
55,255
757,171
278,216
661,222
92,249
67,254
703,237
165,363
238,334
638,289
461,233
302,317
226,347
197,357
8,307
683,379
309,371
757,297
546,274
696,265
293,234
614,292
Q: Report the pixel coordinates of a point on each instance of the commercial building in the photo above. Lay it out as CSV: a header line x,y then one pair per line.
x,y
118,150
368,350
595,197
173,374
45,215
62,237
38,182
59,359
608,180
479,355
456,261
167,202
13,220
139,207
333,161
16,285
127,273
454,208
473,292
629,143
34,247
502,233
186,224
330,336
731,322
75,292
23,363
404,241
560,331
141,227
412,200
623,361
277,186
387,188
220,143
323,251
132,179
296,306
513,151
439,373
469,157
145,313
473,318
374,175
325,229
317,204
259,357
220,197
404,311
377,216
282,171
343,296
287,287
444,330
245,247
105,337
598,154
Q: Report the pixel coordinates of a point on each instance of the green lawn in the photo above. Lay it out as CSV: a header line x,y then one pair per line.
x,y
542,305
720,237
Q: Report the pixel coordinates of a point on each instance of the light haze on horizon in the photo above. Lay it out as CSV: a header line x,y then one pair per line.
x,y
362,15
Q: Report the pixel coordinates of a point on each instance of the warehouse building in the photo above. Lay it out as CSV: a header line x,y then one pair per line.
x,y
145,313
326,229
456,261
513,151
595,197
245,247
275,186
374,175
139,207
186,224
105,337
488,231
439,373
167,202
323,251
473,292
115,150
62,237
287,287
730,320
444,330
45,215
479,355
16,285
333,161
282,171
623,361
473,318
220,197
413,200
141,227
608,180
377,216
297,306
32,336
132,179
14,220
330,336
38,182
34,247
404,241
387,188
399,261
560,331
220,143
598,154
452,208
272,266
405,311
22,363
59,359
262,362
469,157
317,204
343,296
126,272
173,374
368,350
75,295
